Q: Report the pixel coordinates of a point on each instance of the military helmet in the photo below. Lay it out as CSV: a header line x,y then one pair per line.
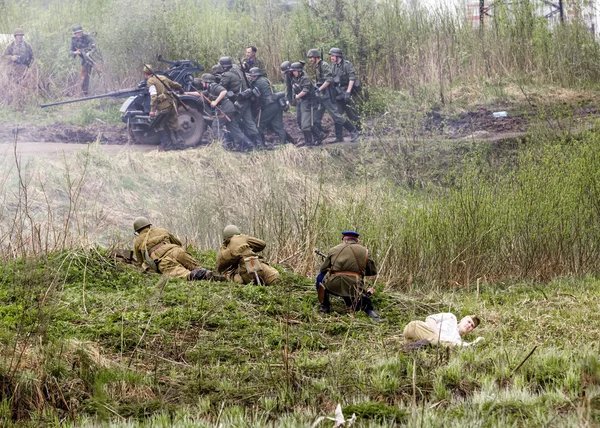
x,y
77,28
255,72
140,223
285,66
217,69
208,78
335,51
313,53
225,62
18,32
230,230
296,66
148,69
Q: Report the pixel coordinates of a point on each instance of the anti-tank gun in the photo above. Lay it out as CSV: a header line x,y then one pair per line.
x,y
135,111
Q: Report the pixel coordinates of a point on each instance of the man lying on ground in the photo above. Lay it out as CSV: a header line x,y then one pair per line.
x,y
441,328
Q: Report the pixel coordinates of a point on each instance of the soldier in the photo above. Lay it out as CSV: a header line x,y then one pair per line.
x,y
237,259
19,53
252,60
234,80
217,70
83,45
270,114
226,113
162,252
342,274
326,92
305,92
289,91
346,83
163,107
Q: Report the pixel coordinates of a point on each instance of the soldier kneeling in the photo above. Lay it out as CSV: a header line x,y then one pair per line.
x,y
237,259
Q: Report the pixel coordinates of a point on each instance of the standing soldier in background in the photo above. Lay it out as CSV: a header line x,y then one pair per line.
x,y
345,82
289,90
270,113
163,108
216,70
252,60
237,259
162,252
233,79
83,45
20,54
326,92
304,91
225,112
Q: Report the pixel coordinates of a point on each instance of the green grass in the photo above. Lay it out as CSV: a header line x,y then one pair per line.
x,y
122,349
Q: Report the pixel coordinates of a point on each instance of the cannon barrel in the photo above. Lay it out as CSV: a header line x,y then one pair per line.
x,y
117,94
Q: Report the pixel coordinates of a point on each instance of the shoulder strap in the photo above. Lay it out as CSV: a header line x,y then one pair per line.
x,y
364,263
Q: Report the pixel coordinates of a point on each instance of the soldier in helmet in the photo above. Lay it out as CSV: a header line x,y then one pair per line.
x,y
252,60
326,92
83,45
162,252
226,113
163,108
342,274
233,80
346,83
289,91
270,114
216,70
237,258
304,91
19,53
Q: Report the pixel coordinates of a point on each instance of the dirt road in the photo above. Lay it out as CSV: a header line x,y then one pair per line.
x,y
52,150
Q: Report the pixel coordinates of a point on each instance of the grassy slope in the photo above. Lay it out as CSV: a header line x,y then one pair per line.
x,y
90,340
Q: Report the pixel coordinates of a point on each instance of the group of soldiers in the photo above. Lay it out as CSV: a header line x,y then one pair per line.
x,y
20,54
245,103
341,274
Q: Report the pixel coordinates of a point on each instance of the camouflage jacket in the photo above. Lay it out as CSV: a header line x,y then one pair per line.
x,y
233,80
160,88
256,62
343,72
22,50
346,265
150,239
232,252
303,83
85,43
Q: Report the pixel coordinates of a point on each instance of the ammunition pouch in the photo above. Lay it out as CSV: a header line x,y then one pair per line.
x,y
256,92
238,106
246,94
283,103
232,96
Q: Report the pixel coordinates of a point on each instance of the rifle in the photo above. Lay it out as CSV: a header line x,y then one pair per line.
x,y
171,92
320,253
244,74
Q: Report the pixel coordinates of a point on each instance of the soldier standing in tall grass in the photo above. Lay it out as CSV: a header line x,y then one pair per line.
x,y
20,54
82,44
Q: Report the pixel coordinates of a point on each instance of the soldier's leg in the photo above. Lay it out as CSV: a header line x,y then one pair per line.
x,y
299,114
269,274
85,79
418,330
307,129
352,114
249,125
274,117
336,115
172,123
171,267
184,258
240,141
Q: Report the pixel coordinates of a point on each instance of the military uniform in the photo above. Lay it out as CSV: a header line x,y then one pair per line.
x,y
289,91
163,105
233,80
84,44
231,263
165,249
233,125
344,270
22,50
343,72
247,64
270,113
309,107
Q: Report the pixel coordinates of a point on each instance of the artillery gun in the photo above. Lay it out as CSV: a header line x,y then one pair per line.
x,y
135,111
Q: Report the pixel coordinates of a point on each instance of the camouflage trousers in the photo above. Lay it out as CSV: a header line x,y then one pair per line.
x,y
178,263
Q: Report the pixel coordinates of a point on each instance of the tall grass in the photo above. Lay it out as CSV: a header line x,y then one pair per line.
x,y
392,44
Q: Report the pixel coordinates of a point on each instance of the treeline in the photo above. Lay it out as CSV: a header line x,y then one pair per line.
x,y
391,43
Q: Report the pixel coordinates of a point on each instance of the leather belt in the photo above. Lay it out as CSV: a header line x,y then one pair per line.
x,y
156,247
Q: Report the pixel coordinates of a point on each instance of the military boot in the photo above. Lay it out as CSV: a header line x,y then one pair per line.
x,y
165,141
308,139
373,315
339,133
354,134
178,142
288,139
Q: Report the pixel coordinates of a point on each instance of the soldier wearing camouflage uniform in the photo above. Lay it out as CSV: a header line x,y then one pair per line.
x,y
234,80
228,115
163,108
345,82
342,274
19,53
157,249
252,60
305,92
82,44
327,94
270,113
238,252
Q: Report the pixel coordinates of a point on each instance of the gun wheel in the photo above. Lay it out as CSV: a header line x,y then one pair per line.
x,y
191,126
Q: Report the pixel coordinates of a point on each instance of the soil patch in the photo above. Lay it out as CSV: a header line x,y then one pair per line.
x,y
62,133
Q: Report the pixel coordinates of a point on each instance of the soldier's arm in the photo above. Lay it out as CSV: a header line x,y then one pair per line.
x,y
175,240
351,76
370,269
73,48
9,50
326,265
139,258
90,44
326,76
29,54
175,86
153,95
256,244
289,92
225,260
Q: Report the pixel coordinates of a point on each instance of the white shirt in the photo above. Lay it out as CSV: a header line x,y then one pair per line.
x,y
448,327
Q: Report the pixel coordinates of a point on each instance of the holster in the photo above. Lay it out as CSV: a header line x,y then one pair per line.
x,y
321,293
